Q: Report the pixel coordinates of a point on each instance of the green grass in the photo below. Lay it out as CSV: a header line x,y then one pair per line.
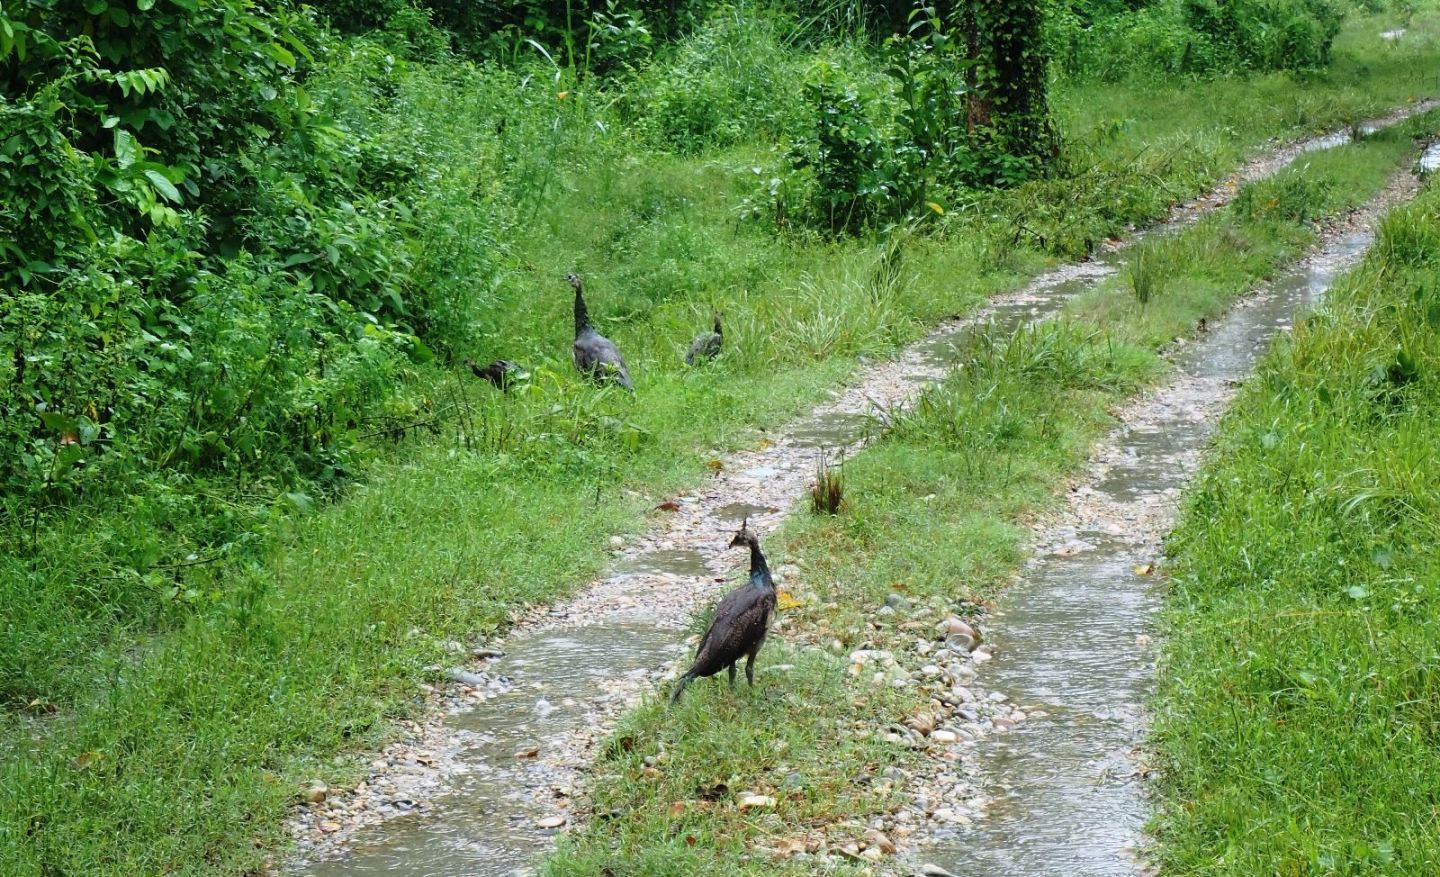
x,y
934,511
1194,276
191,701
1298,711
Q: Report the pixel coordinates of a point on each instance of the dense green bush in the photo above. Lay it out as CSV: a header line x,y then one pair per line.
x,y
1193,36
203,279
499,29
962,107
737,75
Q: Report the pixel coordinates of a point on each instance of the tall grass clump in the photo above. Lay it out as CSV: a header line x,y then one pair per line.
x,y
827,492
1144,274
1298,698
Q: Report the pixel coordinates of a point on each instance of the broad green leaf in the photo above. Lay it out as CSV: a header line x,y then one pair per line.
x,y
58,422
278,53
301,502
163,186
126,149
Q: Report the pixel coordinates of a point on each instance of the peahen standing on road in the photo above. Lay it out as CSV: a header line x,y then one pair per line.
x,y
595,355
706,345
741,621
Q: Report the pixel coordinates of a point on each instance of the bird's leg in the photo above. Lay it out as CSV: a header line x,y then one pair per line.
x,y
750,667
731,671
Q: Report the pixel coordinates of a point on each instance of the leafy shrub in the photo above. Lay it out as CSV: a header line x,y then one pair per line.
x,y
1114,45
734,77
414,35
858,173
1193,36
964,107
1268,34
201,297
495,29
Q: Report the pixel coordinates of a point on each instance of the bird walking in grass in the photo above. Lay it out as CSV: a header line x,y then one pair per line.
x,y
741,621
502,373
706,345
596,356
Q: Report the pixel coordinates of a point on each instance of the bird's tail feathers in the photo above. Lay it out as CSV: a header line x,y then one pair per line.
x,y
680,688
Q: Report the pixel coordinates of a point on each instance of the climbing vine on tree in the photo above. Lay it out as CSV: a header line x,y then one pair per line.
x,y
1009,113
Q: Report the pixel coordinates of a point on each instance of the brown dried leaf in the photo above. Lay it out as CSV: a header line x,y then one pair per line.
x,y
84,758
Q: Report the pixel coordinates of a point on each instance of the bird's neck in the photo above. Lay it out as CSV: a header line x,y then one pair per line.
x,y
759,569
718,330
582,315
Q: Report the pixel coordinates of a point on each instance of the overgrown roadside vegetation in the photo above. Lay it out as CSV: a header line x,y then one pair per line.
x,y
934,512
181,637
1297,713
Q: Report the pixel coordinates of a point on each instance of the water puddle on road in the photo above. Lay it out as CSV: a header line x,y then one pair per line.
x,y
1062,789
1430,159
837,430
736,512
487,825
947,350
670,561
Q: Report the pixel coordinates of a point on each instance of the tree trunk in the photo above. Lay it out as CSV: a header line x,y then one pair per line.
x,y
1007,99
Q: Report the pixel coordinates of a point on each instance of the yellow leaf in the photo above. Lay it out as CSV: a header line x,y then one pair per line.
x,y
562,95
936,207
1144,569
786,600
83,759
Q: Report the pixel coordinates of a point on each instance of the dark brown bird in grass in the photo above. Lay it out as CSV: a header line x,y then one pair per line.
x,y
502,373
706,345
741,621
595,355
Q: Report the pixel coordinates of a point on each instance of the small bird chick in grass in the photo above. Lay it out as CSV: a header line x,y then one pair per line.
x,y
707,344
502,373
741,621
